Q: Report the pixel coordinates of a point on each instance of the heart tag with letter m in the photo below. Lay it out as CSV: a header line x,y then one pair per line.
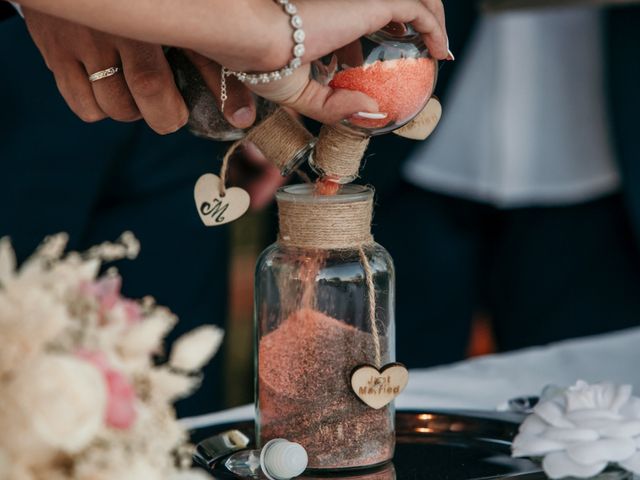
x,y
378,388
215,209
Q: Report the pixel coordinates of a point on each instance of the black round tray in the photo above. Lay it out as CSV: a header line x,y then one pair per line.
x,y
432,445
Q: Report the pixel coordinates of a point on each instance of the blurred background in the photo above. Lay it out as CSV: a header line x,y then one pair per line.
x,y
516,224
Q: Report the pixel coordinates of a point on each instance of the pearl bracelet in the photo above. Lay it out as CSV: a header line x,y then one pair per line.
x,y
298,52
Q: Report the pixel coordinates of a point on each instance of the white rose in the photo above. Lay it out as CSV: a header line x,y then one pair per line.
x,y
579,433
65,399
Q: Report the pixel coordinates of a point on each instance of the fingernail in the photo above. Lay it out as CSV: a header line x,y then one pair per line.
x,y
450,57
371,116
242,117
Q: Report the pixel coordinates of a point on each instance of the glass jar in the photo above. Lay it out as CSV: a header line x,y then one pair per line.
x,y
313,328
205,118
392,66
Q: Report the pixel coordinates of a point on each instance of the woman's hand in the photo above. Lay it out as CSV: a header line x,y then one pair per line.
x,y
143,88
327,31
250,35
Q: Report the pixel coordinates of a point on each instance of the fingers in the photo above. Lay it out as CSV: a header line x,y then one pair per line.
x,y
239,107
76,90
151,85
358,18
111,93
429,21
314,100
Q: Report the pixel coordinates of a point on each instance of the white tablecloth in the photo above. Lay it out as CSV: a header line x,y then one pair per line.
x,y
486,382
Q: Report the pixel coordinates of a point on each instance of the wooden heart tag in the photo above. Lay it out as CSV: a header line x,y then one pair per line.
x,y
378,388
421,127
215,209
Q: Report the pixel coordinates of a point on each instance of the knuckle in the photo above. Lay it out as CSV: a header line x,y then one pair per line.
x,y
90,116
173,127
149,83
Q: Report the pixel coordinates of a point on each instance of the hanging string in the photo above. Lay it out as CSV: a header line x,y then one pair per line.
x,y
371,297
224,169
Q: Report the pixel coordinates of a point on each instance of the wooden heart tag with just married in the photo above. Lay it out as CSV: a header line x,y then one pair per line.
x,y
378,388
215,208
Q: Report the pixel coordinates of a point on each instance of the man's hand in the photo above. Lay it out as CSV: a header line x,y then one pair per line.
x,y
143,88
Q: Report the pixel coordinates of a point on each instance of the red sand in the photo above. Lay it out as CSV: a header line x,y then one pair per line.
x,y
326,186
305,392
401,87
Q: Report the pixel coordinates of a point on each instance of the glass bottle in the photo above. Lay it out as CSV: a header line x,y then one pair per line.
x,y
392,66
313,328
205,118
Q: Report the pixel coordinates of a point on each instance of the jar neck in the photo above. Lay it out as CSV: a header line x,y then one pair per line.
x,y
325,225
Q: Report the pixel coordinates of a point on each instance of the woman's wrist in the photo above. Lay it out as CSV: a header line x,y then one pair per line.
x,y
263,39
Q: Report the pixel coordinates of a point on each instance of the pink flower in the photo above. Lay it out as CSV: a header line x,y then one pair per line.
x,y
121,410
121,397
106,290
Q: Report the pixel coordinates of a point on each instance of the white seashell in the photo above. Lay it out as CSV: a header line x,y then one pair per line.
x,y
603,450
570,434
553,414
594,414
533,446
623,394
193,350
559,465
632,463
631,409
533,424
595,424
621,429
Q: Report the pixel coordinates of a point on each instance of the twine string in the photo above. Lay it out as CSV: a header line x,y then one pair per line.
x,y
280,137
371,297
224,169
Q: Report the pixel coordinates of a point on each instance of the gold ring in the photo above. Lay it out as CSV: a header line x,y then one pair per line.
x,y
94,77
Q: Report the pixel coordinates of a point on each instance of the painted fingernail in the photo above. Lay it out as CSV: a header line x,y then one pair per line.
x,y
450,57
371,116
242,117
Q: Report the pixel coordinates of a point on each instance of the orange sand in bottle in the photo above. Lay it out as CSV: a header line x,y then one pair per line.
x,y
305,393
401,87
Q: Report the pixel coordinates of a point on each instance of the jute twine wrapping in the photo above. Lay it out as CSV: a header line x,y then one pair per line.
x,y
339,152
325,225
280,137
333,226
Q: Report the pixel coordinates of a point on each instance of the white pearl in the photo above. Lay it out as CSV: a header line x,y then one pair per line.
x,y
298,50
296,21
299,35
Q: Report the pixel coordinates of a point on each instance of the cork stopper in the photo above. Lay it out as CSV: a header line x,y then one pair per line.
x,y
283,140
341,221
338,153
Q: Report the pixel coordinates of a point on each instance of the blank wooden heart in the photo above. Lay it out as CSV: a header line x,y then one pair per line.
x,y
215,209
421,127
378,388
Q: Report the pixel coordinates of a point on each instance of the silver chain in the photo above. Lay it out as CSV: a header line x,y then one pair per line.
x,y
296,62
223,87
